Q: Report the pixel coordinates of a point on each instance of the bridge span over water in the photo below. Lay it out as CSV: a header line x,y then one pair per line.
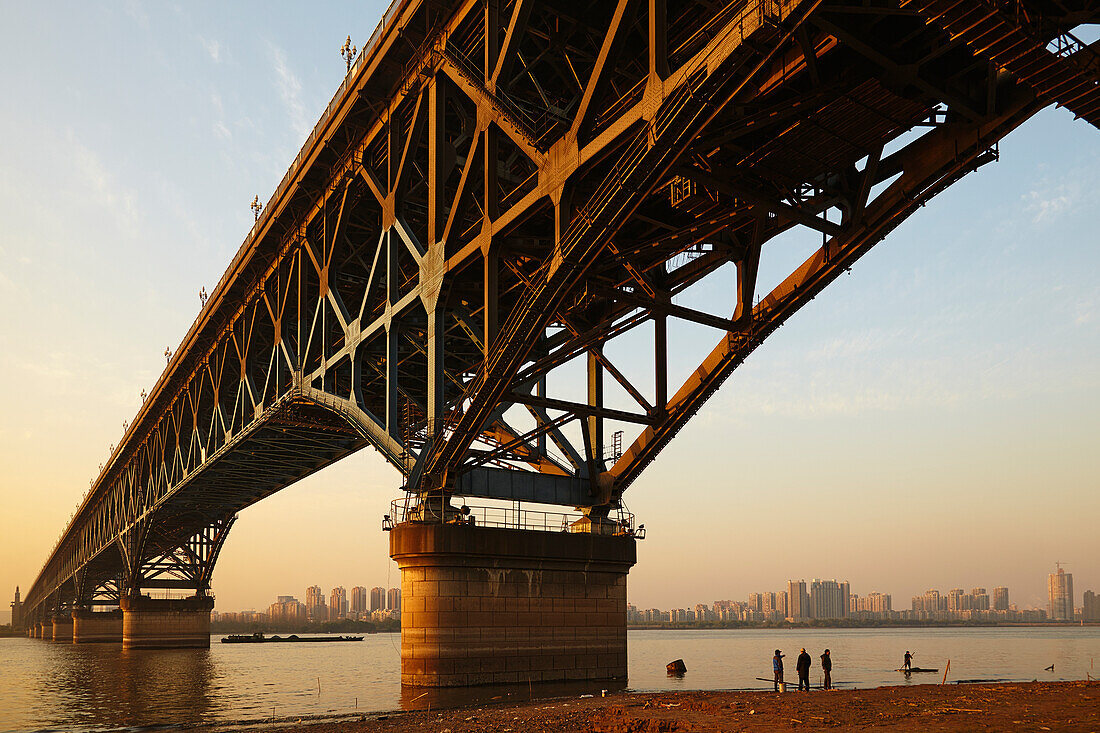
x,y
499,190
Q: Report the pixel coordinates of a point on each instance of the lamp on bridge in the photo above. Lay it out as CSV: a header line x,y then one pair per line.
x,y
347,52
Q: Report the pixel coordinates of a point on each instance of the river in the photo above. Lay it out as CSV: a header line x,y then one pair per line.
x,y
46,685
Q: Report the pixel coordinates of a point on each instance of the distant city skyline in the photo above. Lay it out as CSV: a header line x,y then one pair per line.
x,y
830,599
383,604
930,419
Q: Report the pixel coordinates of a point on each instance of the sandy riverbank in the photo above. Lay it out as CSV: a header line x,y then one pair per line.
x,y
1034,706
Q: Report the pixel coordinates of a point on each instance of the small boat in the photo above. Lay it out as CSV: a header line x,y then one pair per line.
x,y
259,638
916,669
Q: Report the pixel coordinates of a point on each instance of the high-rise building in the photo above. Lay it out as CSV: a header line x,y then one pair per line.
x,y
359,600
1061,595
875,605
930,602
979,599
828,599
774,605
338,603
798,601
1090,607
16,611
287,608
315,604
1000,598
393,599
377,599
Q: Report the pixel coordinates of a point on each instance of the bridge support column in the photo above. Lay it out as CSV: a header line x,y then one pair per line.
x,y
62,628
158,623
489,606
97,626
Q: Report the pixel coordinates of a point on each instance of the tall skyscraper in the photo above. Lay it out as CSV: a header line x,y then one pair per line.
x,y
315,604
1061,595
338,603
1000,598
828,599
798,600
393,599
359,600
1090,607
377,599
774,605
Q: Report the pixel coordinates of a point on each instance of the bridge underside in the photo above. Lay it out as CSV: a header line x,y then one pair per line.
x,y
503,193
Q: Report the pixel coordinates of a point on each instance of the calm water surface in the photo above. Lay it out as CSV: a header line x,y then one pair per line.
x,y
49,686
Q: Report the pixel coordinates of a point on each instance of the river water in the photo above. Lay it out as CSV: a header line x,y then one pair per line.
x,y
51,686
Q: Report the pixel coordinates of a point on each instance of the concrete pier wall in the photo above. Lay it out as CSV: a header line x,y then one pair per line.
x,y
97,626
155,623
492,606
62,628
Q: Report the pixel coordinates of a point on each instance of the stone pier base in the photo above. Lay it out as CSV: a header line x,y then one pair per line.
x,y
62,628
97,626
155,623
494,606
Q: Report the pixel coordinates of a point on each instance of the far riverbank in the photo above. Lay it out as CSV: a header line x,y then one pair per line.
x,y
857,624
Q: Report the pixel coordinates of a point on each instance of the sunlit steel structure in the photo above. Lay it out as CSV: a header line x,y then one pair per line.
x,y
500,190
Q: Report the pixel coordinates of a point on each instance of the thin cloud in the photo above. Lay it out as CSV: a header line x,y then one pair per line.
x,y
290,90
213,49
1046,205
105,190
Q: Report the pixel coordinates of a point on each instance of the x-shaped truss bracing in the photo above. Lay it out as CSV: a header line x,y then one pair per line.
x,y
502,192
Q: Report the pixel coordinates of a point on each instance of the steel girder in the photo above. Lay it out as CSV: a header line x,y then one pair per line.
x,y
503,188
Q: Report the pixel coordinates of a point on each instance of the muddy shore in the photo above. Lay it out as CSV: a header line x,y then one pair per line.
x,y
1033,706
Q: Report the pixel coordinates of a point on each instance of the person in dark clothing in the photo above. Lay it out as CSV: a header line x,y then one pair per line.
x,y
827,668
777,667
908,662
802,666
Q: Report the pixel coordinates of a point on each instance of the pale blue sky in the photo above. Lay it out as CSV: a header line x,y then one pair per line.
x,y
931,420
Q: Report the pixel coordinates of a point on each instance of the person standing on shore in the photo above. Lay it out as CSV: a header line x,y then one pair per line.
x,y
908,661
777,668
802,666
827,668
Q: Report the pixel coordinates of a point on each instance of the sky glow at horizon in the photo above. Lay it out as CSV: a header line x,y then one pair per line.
x,y
930,420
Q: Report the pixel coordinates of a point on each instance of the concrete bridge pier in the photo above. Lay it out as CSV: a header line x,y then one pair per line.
x,y
62,628
97,626
482,605
43,630
162,623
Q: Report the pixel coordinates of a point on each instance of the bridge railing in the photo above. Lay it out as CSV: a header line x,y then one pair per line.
x,y
409,510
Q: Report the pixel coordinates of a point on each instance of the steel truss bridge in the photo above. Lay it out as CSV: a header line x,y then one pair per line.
x,y
502,188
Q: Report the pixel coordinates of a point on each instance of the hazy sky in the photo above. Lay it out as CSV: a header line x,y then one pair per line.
x,y
931,420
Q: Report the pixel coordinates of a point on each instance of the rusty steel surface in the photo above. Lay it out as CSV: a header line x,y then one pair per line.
x,y
503,187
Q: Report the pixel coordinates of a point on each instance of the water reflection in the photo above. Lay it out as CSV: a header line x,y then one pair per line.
x,y
105,685
76,687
